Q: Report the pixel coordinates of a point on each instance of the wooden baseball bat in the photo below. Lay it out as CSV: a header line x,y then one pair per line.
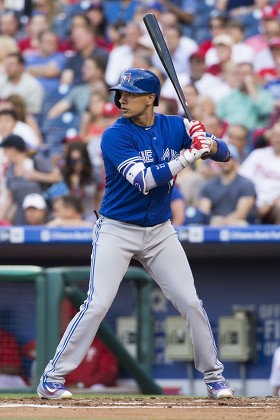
x,y
165,57
163,52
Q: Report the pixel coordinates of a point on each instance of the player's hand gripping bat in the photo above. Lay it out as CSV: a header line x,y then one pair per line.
x,y
165,57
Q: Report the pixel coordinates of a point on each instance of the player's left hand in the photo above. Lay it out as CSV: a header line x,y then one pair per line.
x,y
194,127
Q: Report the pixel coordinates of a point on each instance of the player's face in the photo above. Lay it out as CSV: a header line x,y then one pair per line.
x,y
134,105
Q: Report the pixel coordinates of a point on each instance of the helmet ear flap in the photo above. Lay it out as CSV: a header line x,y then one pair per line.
x,y
117,98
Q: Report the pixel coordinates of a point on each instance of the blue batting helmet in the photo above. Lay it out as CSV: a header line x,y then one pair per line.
x,y
137,80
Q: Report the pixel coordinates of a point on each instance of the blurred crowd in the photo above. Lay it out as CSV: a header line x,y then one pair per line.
x,y
57,60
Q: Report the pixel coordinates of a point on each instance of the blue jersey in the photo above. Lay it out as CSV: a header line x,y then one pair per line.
x,y
125,142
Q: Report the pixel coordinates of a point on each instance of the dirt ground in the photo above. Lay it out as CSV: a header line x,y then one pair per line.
x,y
144,408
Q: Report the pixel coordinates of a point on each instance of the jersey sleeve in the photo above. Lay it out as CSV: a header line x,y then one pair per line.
x,y
119,148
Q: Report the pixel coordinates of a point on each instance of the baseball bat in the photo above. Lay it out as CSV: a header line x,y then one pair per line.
x,y
163,52
165,57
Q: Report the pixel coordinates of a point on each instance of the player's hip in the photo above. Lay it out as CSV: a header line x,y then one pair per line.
x,y
135,233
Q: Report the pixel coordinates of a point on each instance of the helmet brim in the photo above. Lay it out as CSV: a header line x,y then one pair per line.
x,y
132,89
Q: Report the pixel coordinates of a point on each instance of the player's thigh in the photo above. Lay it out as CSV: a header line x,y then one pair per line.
x,y
109,262
170,269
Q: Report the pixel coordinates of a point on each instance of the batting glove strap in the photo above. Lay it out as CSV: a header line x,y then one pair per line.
x,y
189,156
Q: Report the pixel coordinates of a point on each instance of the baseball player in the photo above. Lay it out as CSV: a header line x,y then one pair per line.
x,y
143,152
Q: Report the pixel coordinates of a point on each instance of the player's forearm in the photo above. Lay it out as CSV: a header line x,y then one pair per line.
x,y
146,179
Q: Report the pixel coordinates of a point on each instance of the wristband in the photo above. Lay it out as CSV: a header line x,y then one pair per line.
x,y
222,154
161,173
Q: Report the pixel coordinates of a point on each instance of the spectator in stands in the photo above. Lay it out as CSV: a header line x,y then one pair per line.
x,y
191,92
142,58
80,20
10,124
17,80
25,175
17,103
269,27
97,18
68,210
35,209
49,8
46,65
180,47
9,24
121,57
65,29
240,50
204,82
84,41
92,121
217,26
239,136
229,198
10,362
169,106
234,40
215,126
267,63
37,23
262,166
274,378
249,104
82,180
204,107
120,10
98,370
235,8
190,182
95,120
184,10
8,45
116,34
222,48
78,99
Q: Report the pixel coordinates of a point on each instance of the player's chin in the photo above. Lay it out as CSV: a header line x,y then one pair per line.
x,y
126,113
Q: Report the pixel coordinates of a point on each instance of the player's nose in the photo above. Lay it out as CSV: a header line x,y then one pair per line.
x,y
123,97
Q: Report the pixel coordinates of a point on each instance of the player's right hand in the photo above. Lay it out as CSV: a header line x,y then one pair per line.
x,y
194,128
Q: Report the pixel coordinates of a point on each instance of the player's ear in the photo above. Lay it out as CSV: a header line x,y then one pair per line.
x,y
151,98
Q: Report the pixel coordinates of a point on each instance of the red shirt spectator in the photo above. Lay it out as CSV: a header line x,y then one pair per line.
x,y
98,367
10,362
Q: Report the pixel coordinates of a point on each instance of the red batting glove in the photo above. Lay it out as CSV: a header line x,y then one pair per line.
x,y
201,142
200,148
194,127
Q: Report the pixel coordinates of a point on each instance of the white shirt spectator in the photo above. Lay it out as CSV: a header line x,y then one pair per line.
x,y
241,53
262,166
180,57
208,84
120,59
28,134
29,88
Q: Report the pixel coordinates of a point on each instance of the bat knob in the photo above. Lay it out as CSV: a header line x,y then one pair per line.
x,y
205,156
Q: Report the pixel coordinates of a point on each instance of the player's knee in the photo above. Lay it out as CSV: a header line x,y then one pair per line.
x,y
100,309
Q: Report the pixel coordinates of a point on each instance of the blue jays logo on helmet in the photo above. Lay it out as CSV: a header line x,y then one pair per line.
x,y
126,78
137,80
